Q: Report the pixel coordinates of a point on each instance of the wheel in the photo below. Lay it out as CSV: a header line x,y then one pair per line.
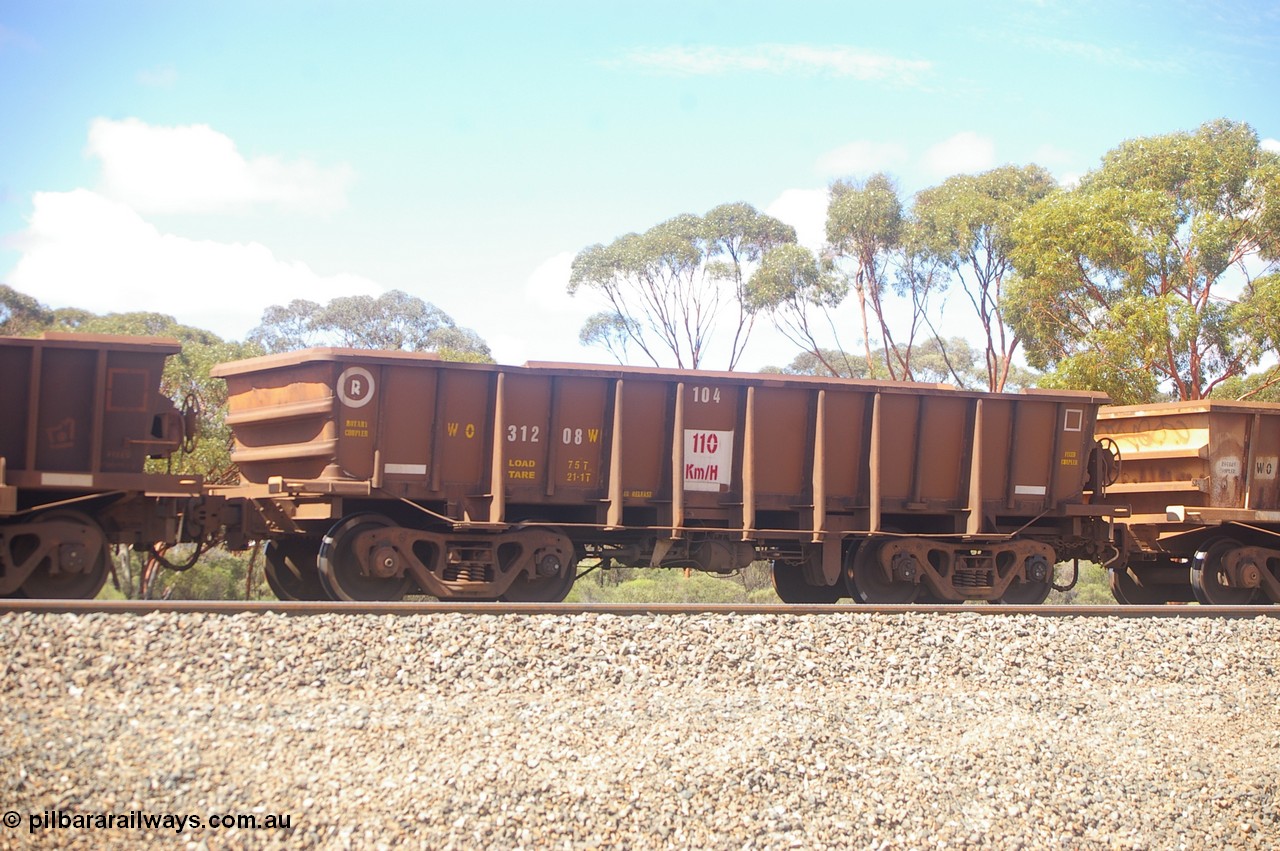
x,y
1207,577
544,589
1024,593
291,570
339,564
1129,590
866,580
789,585
56,582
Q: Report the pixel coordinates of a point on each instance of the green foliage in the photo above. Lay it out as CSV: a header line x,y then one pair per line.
x,y
186,381
288,327
218,575
953,361
21,315
1255,387
633,585
393,321
610,331
864,230
822,362
897,263
1092,589
968,220
755,585
968,224
789,285
789,277
668,286
1127,282
186,378
865,221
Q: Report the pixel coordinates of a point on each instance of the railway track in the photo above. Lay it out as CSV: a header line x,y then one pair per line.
x,y
235,607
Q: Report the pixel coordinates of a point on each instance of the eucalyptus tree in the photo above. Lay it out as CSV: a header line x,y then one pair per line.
x,y
742,235
287,327
874,250
792,287
394,320
610,331
864,227
967,222
668,287
1159,270
20,314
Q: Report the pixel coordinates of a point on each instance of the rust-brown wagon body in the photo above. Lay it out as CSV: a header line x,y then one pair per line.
x,y
1203,482
82,413
383,473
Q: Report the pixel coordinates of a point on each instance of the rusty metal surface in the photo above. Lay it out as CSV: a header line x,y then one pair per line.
x,y
408,607
87,405
1203,481
1217,460
680,449
81,415
1192,465
658,462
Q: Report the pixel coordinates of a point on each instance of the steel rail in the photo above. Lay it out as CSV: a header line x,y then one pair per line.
x,y
234,607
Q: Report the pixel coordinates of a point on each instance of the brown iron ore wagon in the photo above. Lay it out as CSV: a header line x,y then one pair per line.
x,y
81,414
376,474
1203,482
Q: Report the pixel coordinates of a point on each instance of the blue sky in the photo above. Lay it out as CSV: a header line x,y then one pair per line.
x,y
208,159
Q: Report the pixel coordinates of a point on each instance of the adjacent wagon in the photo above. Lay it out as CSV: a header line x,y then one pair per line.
x,y
82,414
1203,483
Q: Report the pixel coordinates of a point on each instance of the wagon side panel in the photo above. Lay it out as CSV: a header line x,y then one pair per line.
x,y
284,421
15,400
783,447
407,436
579,447
1263,461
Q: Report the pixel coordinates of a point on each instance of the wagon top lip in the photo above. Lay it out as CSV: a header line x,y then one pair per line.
x,y
374,357
324,353
1197,406
114,342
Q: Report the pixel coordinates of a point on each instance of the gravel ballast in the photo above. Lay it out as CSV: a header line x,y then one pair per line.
x,y
681,731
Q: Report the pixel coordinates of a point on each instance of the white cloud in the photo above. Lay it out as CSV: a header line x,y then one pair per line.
x,y
862,158
84,250
543,323
548,284
806,211
963,153
1272,145
547,302
1050,155
781,59
1063,164
1100,55
160,77
195,169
